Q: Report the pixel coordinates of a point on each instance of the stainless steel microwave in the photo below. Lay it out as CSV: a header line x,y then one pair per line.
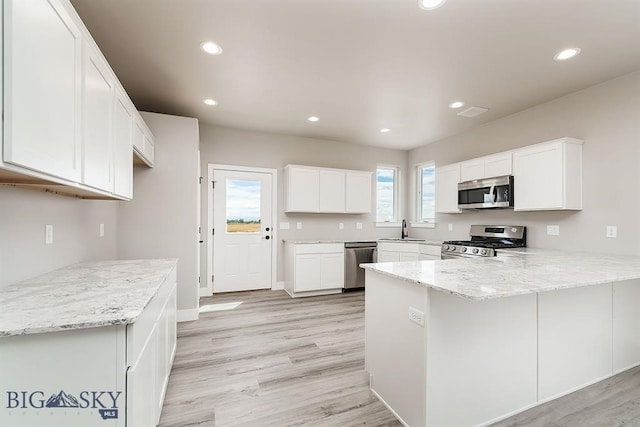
x,y
488,193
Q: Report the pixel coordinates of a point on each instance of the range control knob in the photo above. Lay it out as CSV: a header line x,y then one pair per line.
x,y
445,247
475,250
452,248
483,252
464,249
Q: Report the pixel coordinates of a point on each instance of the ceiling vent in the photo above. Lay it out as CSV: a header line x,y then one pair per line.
x,y
473,111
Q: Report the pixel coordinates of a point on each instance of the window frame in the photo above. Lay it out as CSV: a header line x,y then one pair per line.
x,y
396,221
417,187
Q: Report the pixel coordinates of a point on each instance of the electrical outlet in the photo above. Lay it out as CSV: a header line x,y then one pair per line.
x,y
612,231
341,226
553,230
299,226
101,233
416,316
284,226
358,225
450,227
48,234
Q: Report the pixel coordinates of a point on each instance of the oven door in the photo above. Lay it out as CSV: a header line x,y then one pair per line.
x,y
489,193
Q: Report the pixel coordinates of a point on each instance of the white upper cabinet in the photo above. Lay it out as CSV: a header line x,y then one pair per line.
x,y
486,167
548,176
122,146
42,88
97,110
358,192
64,127
302,189
332,190
325,190
143,145
447,179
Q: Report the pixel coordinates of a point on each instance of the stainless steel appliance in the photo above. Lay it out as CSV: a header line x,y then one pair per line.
x,y
485,239
490,193
356,253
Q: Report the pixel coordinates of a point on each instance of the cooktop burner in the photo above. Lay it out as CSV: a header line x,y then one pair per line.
x,y
484,240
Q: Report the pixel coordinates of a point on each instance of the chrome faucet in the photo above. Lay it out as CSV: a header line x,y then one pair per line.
x,y
404,230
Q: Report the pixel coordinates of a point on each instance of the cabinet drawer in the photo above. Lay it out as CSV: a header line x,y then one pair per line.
x,y
320,248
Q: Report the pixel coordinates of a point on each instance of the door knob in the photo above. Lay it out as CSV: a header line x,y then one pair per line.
x,y
268,229
267,237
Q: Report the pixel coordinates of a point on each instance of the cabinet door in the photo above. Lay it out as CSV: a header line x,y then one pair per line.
x,y
497,165
149,147
123,146
447,179
303,190
358,197
308,270
42,88
388,256
332,275
408,256
472,169
538,177
332,190
141,386
97,109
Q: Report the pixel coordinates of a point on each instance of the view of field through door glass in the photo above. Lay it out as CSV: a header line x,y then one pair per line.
x,y
243,205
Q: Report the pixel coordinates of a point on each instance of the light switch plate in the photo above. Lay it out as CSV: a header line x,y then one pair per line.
x,y
341,226
612,231
284,226
48,234
299,226
450,227
101,232
358,225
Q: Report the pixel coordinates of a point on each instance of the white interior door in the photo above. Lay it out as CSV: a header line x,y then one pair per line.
x,y
242,230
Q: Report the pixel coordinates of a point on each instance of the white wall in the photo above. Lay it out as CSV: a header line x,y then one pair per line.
x,y
607,118
76,224
161,220
221,145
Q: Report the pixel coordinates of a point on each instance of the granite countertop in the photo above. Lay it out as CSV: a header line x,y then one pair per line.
x,y
514,272
84,295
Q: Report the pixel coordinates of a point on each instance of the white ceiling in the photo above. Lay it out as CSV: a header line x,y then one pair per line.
x,y
360,65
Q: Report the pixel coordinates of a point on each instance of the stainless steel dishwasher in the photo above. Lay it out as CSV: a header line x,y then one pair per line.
x,y
356,253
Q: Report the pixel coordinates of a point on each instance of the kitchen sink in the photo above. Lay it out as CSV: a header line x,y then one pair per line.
x,y
402,240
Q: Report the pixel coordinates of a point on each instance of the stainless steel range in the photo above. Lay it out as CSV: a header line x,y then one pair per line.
x,y
485,239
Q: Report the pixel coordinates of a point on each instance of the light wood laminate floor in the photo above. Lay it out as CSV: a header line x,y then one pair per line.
x,y
277,361
273,361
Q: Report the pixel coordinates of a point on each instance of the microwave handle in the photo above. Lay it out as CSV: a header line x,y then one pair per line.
x,y
493,197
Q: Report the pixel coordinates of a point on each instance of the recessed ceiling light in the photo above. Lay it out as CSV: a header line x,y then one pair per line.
x,y
430,4
385,130
211,47
567,53
313,119
456,104
210,101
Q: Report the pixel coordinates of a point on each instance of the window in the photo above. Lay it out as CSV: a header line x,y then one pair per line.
x,y
426,194
387,194
243,206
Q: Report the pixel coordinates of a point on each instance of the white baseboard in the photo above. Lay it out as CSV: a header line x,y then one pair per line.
x,y
187,315
204,292
278,286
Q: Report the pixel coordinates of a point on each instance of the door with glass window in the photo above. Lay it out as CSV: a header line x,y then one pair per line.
x,y
242,234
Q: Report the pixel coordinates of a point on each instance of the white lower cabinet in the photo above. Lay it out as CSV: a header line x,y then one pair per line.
x,y
397,251
314,268
113,375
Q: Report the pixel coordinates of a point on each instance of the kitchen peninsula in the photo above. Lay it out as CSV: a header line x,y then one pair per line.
x,y
471,341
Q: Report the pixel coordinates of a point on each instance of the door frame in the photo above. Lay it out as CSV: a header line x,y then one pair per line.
x,y
208,291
